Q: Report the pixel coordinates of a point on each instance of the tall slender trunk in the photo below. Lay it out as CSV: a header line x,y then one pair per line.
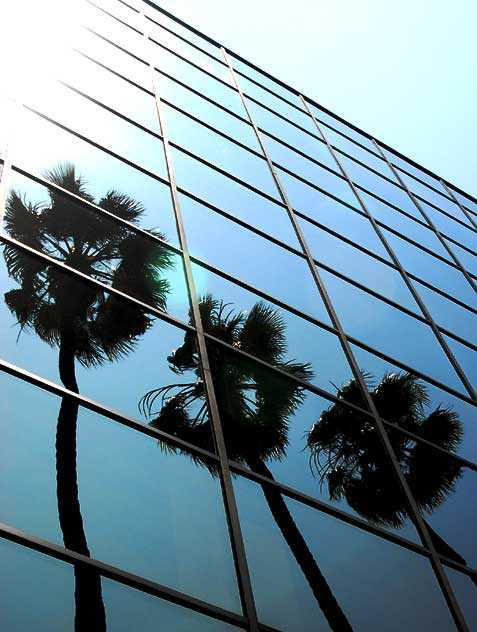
x,y
90,615
326,600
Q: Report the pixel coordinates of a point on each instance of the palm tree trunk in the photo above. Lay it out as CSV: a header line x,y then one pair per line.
x,y
90,615
326,600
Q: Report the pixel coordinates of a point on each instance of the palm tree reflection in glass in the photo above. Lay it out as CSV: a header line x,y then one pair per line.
x,y
255,406
85,323
348,457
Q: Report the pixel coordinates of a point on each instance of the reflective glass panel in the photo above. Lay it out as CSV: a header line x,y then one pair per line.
x,y
219,151
372,581
467,259
50,585
82,115
466,357
464,589
414,170
451,228
43,146
342,127
151,511
251,258
233,197
389,330
357,265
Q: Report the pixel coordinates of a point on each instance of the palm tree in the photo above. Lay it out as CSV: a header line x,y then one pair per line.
x,y
255,405
347,455
85,323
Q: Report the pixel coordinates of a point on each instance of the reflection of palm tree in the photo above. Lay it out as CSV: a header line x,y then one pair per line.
x,y
255,408
84,322
347,454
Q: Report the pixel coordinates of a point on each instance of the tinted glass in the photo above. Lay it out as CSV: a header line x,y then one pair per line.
x,y
51,586
353,566
136,512
464,589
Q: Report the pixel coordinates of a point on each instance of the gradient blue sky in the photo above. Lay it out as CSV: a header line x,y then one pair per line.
x,y
404,72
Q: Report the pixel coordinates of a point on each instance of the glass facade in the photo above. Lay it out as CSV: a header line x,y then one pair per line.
x,y
238,359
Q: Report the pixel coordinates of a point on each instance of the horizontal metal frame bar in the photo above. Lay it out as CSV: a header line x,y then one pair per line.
x,y
297,93
118,46
116,574
111,15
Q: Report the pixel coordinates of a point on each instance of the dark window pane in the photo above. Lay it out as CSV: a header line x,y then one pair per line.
x,y
232,197
251,258
355,566
390,331
464,589
44,146
50,585
137,512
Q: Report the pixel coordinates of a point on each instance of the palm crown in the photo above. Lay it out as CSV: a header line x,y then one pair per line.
x,y
255,405
49,299
347,454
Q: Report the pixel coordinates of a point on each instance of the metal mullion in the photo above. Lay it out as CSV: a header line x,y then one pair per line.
x,y
432,225
109,289
91,206
412,505
93,143
100,409
117,574
403,273
230,504
461,206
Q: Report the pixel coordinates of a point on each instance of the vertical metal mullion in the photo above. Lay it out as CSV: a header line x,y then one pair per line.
x,y
469,388
462,208
230,504
415,515
429,221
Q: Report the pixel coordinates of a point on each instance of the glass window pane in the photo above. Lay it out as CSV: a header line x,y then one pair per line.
x,y
113,57
376,184
435,399
110,339
50,585
357,265
118,94
450,228
466,357
467,259
416,231
243,254
219,151
390,330
43,146
353,566
224,94
402,163
469,204
303,340
442,275
298,163
369,158
150,512
233,198
464,589
96,123
330,120
205,110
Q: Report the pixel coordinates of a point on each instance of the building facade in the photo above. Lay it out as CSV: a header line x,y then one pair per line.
x,y
239,362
